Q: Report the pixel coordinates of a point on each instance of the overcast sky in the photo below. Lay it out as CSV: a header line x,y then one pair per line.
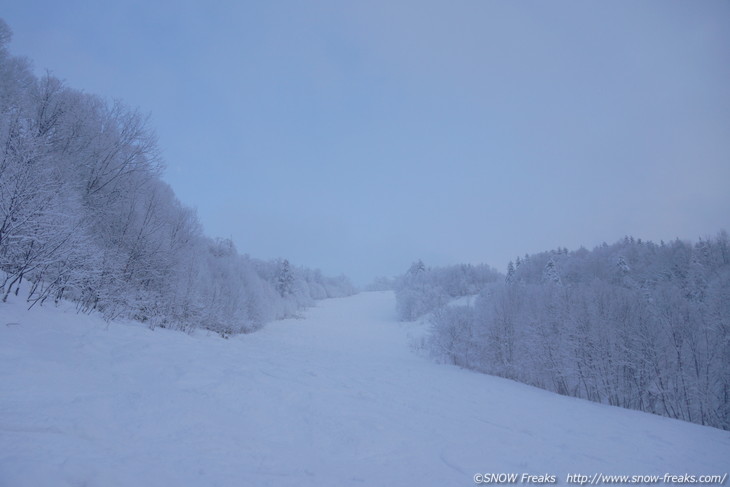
x,y
359,136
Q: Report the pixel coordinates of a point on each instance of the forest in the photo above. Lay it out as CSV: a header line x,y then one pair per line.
x,y
634,324
85,216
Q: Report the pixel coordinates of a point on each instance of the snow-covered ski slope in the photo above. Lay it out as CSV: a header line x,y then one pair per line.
x,y
335,399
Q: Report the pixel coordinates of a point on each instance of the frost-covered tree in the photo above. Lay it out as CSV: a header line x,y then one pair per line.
x,y
284,279
510,277
550,274
633,324
421,290
85,216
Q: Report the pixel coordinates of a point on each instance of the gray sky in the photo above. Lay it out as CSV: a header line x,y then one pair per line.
x,y
359,136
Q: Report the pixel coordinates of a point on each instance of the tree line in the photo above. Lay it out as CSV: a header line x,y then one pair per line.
x,y
634,324
424,289
85,216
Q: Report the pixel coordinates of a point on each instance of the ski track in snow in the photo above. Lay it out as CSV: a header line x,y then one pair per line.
x,y
336,399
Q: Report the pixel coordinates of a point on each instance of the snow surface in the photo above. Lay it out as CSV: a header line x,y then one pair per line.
x,y
335,399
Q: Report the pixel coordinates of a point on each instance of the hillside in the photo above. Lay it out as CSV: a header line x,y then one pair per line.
x,y
337,398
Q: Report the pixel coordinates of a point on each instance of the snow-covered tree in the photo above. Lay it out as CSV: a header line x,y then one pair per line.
x,y
85,216
284,279
633,324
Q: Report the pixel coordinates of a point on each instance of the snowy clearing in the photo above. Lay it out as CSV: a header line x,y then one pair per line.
x,y
335,399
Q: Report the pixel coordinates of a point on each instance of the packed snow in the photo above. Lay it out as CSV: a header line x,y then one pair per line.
x,y
336,398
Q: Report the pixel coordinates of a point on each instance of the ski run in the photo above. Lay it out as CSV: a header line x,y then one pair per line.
x,y
341,397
